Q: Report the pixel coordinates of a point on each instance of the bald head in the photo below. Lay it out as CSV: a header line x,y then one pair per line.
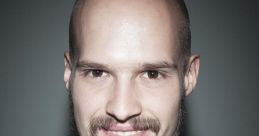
x,y
95,19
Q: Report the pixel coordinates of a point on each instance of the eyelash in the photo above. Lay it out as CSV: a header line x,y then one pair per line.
x,y
161,74
86,72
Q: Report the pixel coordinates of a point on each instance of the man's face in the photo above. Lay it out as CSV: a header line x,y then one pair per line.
x,y
127,79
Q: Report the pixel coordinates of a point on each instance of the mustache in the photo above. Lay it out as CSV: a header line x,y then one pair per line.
x,y
138,123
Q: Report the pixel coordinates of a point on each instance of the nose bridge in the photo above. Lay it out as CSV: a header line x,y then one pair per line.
x,y
123,103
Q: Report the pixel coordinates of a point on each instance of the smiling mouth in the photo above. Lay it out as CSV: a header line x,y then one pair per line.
x,y
103,132
133,127
125,133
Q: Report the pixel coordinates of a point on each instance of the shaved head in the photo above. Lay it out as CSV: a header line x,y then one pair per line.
x,y
129,67
164,12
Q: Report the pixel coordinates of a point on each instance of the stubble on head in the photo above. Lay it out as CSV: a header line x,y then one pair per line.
x,y
179,13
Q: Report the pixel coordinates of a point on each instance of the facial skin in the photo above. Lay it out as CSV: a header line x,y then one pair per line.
x,y
127,80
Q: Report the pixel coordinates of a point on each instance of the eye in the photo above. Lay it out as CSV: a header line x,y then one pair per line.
x,y
97,73
94,73
152,74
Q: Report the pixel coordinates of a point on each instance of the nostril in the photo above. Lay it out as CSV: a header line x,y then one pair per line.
x,y
123,110
122,117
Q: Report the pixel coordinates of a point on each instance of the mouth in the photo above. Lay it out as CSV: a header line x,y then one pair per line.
x,y
124,131
133,127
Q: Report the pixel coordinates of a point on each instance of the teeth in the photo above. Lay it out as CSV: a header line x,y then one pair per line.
x,y
128,133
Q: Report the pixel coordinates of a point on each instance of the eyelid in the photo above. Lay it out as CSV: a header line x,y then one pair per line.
x,y
161,73
86,71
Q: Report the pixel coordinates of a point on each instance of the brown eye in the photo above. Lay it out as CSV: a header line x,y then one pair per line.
x,y
97,73
152,74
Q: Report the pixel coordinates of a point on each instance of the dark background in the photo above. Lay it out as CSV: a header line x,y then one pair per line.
x,y
34,36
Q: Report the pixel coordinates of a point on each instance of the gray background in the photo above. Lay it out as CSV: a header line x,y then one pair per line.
x,y
34,36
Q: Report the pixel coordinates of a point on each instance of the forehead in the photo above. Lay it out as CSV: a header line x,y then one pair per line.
x,y
123,29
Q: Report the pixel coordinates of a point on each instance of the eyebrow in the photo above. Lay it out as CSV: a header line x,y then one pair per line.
x,y
160,65
145,66
90,65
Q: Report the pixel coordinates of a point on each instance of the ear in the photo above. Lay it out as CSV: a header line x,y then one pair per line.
x,y
191,75
68,69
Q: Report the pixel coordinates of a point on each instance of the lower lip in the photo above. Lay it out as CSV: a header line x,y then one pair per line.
x,y
120,133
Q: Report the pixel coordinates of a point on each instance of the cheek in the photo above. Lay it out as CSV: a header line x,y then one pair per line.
x,y
164,103
88,100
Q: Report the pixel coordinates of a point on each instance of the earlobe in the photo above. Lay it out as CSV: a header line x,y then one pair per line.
x,y
191,76
67,72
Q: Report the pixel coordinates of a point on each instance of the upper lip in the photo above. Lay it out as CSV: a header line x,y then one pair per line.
x,y
121,127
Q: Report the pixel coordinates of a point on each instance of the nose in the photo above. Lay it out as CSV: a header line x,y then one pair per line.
x,y
123,103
